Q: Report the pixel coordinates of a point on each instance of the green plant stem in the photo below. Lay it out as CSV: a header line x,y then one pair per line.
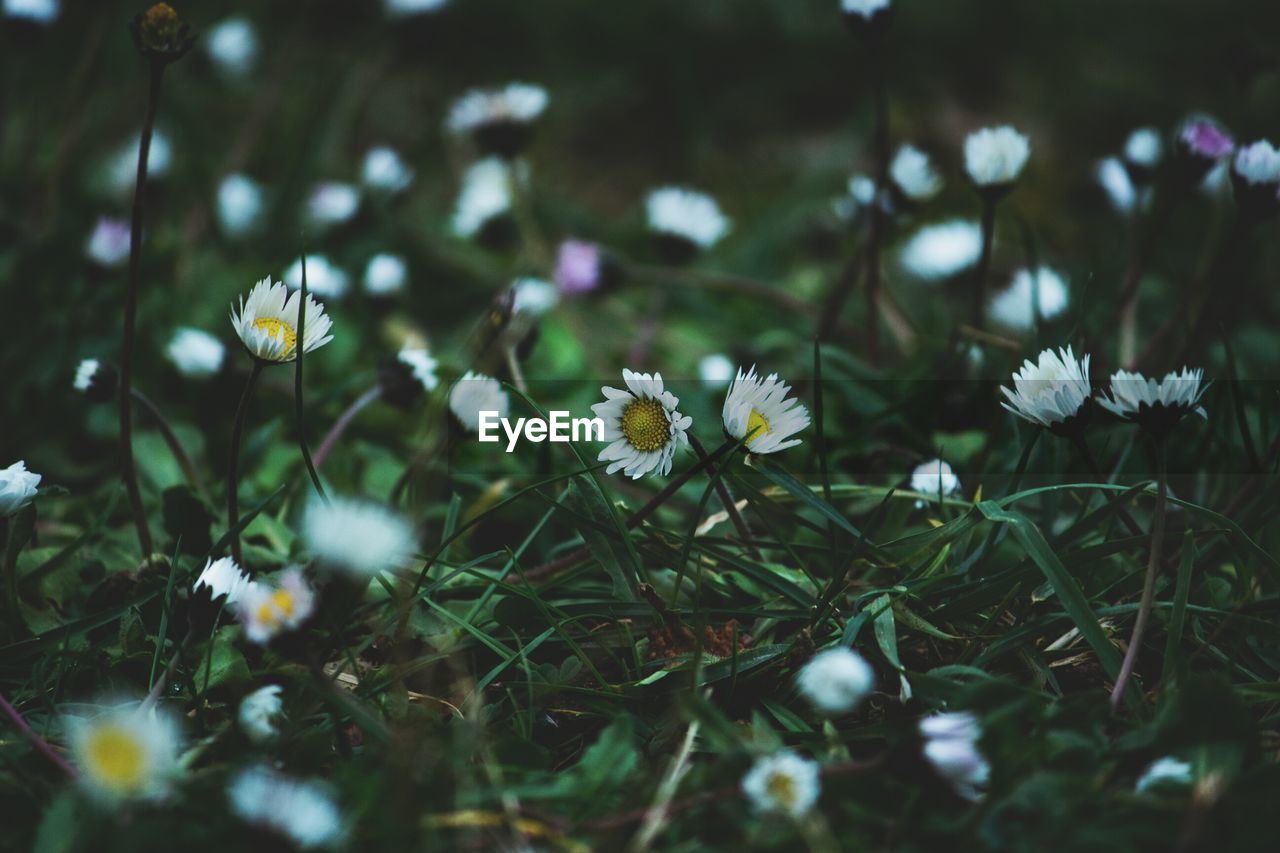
x,y
175,446
1148,584
129,470
9,564
1094,468
233,468
730,506
344,420
300,349
978,310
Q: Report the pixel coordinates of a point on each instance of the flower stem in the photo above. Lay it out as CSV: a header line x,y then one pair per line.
x,y
41,745
1149,583
171,439
9,566
978,312
128,470
300,348
1094,468
730,506
233,469
344,420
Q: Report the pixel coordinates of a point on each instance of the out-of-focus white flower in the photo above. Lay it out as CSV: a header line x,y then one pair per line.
x,y
475,393
224,578
951,746
384,170
864,8
96,380
39,11
359,537
533,297
995,156
406,8
124,753
684,213
240,204
324,279
1114,179
862,189
1164,771
259,712
934,478
17,488
422,365
265,322
759,408
332,203
1157,406
122,168
716,370
579,267
942,250
265,609
1258,163
195,352
232,44
515,103
1052,390
914,174
385,275
485,195
304,812
784,783
108,244
1013,307
1144,147
836,681
641,425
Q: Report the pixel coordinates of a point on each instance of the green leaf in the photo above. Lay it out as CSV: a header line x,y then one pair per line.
x,y
1178,616
885,629
58,825
226,667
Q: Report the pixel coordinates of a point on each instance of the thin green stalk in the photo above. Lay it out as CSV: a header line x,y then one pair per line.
x,y
730,506
175,446
300,348
344,420
233,469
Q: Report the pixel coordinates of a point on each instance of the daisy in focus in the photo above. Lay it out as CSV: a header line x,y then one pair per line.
x,y
124,753
642,425
1052,391
475,393
784,783
17,488
265,323
304,812
759,411
266,610
835,681
358,537
1155,405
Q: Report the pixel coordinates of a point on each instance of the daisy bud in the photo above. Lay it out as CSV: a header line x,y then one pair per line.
x,y
499,121
1199,147
303,812
934,478
866,17
265,322
196,353
404,379
259,712
36,11
1155,406
1164,771
1255,178
684,222
582,267
324,278
108,245
97,380
951,746
942,250
384,170
385,275
17,488
914,175
265,610
783,783
232,45
642,426
475,393
1142,152
483,209
160,35
240,205
994,158
759,411
124,753
716,371
1014,307
358,537
836,681
1053,392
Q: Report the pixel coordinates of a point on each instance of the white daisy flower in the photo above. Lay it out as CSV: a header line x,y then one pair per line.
x,y
96,380
403,380
1052,390
1144,147
266,322
39,11
958,725
259,712
1258,163
407,8
385,275
486,195
423,366
85,373
1164,771
995,156
232,44
223,577
641,425
124,753
942,250
17,488
716,370
304,812
951,746
195,352
1012,307
759,408
515,103
684,213
533,297
914,174
240,204
475,393
384,170
784,783
324,278
108,244
332,203
862,189
836,681
359,537
934,478
266,609
1114,179
1157,406
122,168
865,8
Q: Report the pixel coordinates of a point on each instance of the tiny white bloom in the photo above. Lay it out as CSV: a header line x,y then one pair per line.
x,y
759,410
533,297
995,155
332,203
385,275
862,189
124,753
223,577
942,250
422,365
1050,391
716,370
359,537
784,783
108,244
957,725
687,214
1135,397
1144,147
865,8
836,681
1258,163
232,44
304,812
259,712
86,371
240,204
933,478
1164,771
266,322
475,393
485,195
914,174
951,746
267,609
384,170
17,488
1114,179
122,167
324,278
1013,308
195,352
515,103
641,425
39,11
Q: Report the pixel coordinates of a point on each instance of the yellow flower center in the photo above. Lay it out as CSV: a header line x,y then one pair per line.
x,y
283,601
645,425
268,615
115,758
280,331
757,426
782,789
